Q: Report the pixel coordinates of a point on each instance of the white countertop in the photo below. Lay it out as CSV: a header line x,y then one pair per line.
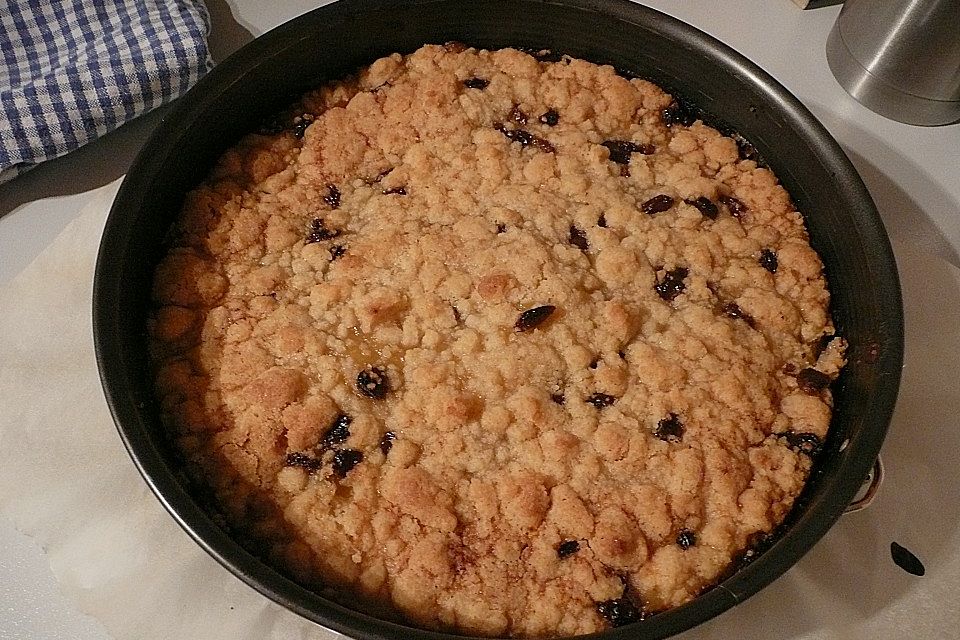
x,y
912,172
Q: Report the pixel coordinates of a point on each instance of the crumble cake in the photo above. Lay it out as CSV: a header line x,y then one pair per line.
x,y
507,343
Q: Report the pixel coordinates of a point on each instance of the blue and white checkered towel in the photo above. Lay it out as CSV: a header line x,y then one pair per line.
x,y
72,70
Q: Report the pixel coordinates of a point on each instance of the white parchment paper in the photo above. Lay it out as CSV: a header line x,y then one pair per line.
x,y
66,480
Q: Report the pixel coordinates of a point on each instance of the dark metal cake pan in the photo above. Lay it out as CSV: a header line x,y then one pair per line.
x,y
337,39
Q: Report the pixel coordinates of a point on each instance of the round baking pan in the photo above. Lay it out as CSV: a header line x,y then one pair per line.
x,y
335,40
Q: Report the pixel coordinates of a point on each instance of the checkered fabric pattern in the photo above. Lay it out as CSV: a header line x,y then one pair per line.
x,y
72,70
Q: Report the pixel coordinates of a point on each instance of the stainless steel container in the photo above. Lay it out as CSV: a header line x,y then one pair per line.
x,y
900,58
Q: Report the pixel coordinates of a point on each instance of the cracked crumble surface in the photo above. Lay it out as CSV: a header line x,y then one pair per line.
x,y
499,343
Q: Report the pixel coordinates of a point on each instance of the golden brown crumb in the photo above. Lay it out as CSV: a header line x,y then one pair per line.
x,y
419,341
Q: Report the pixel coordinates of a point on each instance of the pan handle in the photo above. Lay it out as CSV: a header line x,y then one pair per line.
x,y
867,495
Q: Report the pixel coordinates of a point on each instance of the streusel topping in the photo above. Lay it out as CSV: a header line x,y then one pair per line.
x,y
509,346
